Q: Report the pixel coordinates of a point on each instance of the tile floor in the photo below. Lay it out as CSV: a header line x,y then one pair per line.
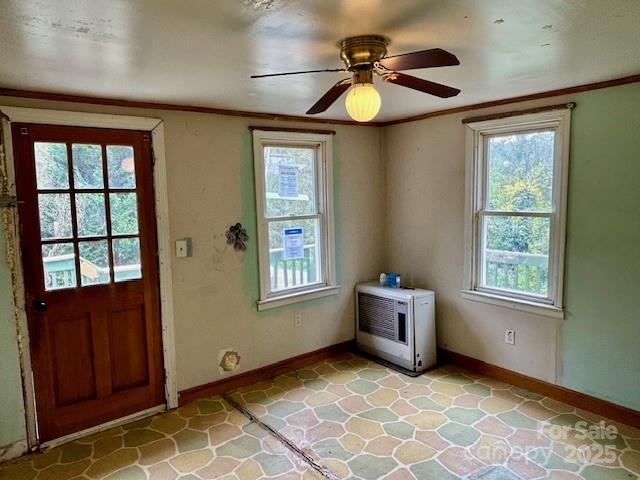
x,y
207,439
361,421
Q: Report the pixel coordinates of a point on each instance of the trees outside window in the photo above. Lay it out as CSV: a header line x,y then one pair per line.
x,y
516,197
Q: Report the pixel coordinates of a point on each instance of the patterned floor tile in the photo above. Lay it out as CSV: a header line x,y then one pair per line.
x,y
359,420
447,423
206,440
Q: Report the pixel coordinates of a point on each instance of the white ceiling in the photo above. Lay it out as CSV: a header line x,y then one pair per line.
x,y
202,52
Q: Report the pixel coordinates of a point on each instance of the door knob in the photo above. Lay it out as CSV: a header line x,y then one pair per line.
x,y
40,306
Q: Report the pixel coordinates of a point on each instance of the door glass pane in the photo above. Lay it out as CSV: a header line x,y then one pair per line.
x,y
52,171
294,253
94,262
90,215
126,259
58,264
87,166
516,254
55,215
520,172
124,213
121,166
290,181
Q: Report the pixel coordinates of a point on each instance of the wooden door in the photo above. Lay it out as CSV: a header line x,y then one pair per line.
x,y
88,240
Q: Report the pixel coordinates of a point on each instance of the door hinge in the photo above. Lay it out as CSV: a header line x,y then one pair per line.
x,y
24,131
146,137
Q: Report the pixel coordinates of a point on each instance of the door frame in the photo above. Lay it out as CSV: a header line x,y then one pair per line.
x,y
97,120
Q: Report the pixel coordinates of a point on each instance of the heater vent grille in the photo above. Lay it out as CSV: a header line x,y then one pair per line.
x,y
376,315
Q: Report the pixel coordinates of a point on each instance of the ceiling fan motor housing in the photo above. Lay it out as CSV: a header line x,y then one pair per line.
x,y
360,53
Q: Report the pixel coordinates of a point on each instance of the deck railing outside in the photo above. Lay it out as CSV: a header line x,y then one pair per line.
x,y
292,273
525,272
511,270
60,272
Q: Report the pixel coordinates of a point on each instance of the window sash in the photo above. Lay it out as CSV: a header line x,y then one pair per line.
x,y
478,134
481,286
483,212
317,170
321,271
321,143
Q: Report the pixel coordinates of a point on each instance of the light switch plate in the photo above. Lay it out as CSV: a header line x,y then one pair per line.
x,y
510,336
183,247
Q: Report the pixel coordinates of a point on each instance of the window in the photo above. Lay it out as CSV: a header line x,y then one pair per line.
x,y
294,199
88,214
516,202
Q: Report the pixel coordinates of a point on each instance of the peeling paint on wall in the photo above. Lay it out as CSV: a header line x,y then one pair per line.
x,y
13,281
259,4
228,360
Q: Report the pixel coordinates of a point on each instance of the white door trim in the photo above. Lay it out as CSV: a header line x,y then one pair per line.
x,y
98,120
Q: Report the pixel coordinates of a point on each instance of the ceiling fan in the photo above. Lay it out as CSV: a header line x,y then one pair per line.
x,y
365,55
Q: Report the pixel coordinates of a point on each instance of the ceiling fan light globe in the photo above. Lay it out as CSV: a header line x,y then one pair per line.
x,y
363,102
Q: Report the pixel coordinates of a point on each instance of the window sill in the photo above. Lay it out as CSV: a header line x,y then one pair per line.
x,y
514,303
298,297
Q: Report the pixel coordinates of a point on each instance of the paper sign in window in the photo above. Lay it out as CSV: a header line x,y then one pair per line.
x,y
293,239
288,177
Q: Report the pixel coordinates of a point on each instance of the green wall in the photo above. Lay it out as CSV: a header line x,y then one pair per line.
x,y
12,422
601,333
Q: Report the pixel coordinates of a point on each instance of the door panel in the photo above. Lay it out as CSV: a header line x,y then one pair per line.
x,y
89,251
72,355
128,341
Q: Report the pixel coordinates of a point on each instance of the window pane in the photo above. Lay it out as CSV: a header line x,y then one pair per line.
x,y
58,263
94,262
126,259
516,254
124,213
294,253
121,166
520,172
52,171
55,215
90,215
290,181
87,166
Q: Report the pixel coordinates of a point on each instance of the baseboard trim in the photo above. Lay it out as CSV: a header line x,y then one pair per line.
x,y
583,401
262,373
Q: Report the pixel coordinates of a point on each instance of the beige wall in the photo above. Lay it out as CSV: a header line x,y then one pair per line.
x,y
210,186
425,201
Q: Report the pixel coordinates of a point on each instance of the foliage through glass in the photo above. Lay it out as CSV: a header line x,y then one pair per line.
x,y
56,219
519,179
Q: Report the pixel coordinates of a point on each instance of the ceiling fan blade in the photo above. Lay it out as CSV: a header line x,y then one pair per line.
x,y
421,85
299,73
331,96
436,57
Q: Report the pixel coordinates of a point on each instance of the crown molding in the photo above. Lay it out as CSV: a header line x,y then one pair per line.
x,y
63,97
522,98
116,102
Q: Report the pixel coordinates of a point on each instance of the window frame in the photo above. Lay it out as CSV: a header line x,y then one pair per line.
x,y
322,143
477,137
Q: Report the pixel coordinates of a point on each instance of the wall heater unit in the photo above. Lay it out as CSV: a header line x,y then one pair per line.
x,y
397,325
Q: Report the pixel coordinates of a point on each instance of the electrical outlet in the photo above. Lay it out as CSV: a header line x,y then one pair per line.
x,y
297,319
510,336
